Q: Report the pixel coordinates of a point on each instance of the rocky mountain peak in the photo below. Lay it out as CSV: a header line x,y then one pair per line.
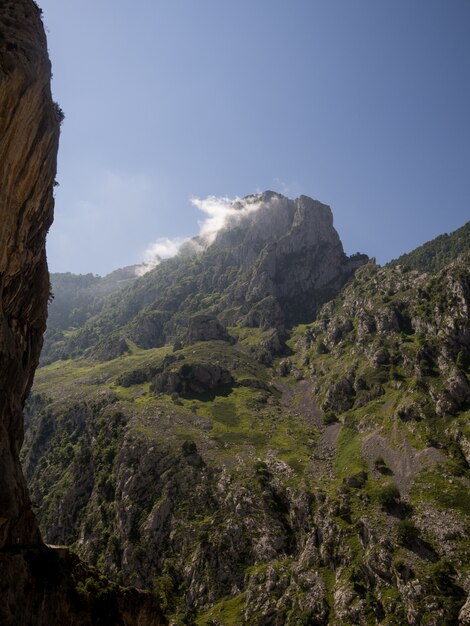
x,y
272,264
290,251
269,216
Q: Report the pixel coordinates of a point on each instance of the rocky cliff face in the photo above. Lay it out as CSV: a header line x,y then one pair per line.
x,y
29,127
289,253
38,585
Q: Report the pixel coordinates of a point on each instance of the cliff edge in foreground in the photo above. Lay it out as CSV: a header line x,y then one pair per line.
x,y
38,585
29,127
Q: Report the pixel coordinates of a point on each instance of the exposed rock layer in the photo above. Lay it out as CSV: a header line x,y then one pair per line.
x,y
29,127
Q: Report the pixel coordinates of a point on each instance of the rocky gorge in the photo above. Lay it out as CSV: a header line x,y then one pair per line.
x,y
253,470
261,430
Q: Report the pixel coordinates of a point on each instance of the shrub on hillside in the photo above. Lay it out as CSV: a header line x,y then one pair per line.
x,y
407,533
329,417
388,496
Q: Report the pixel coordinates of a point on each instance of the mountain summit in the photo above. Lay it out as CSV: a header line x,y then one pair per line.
x,y
272,264
285,250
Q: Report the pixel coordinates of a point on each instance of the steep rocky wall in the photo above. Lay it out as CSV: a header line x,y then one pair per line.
x,y
38,585
29,131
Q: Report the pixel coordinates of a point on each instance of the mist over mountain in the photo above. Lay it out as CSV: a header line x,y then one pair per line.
x,y
270,263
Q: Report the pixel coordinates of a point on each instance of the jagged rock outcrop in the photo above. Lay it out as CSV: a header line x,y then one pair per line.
x,y
292,255
38,585
196,378
206,328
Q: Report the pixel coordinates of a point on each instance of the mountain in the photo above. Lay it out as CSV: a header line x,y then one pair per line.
x,y
282,437
259,431
272,266
38,584
77,297
436,254
74,299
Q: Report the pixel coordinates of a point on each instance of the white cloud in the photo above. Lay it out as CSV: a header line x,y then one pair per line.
x,y
221,212
162,248
217,210
165,248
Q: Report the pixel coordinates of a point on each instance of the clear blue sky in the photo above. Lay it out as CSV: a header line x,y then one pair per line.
x,y
364,105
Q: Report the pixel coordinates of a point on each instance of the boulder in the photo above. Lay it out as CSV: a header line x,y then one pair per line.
x,y
193,378
206,328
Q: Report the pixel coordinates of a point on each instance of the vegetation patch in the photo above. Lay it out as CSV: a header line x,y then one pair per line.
x,y
443,488
225,613
348,459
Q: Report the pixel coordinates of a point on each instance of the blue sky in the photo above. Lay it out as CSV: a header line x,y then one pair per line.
x,y
361,104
